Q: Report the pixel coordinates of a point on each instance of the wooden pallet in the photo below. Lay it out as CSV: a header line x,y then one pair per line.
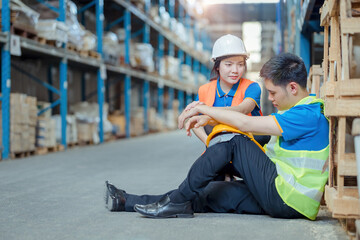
x,y
23,31
46,150
341,93
15,155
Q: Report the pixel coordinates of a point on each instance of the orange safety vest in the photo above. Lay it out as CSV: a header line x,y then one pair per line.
x,y
207,93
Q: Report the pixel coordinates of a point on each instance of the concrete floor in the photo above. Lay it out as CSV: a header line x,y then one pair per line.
x,y
60,196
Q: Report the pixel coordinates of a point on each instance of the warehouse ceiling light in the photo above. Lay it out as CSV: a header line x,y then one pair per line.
x,y
210,2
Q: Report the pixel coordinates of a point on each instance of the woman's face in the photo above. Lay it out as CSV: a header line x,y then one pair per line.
x,y
231,69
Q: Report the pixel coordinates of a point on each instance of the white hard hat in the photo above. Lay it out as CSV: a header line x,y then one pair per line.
x,y
228,45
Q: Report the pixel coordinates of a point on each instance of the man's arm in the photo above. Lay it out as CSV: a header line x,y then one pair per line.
x,y
245,107
257,125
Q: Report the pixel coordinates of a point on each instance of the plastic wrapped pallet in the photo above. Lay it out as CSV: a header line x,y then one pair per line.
x,y
187,74
111,48
169,67
75,32
52,30
141,56
45,133
71,129
26,18
88,113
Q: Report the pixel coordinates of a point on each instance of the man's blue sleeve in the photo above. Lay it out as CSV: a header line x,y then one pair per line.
x,y
296,122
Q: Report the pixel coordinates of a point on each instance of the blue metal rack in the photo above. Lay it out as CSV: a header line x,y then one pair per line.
x,y
5,78
183,52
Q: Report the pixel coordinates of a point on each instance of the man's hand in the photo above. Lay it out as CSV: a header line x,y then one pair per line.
x,y
197,121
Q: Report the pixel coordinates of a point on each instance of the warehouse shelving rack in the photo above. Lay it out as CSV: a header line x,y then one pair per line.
x,y
65,57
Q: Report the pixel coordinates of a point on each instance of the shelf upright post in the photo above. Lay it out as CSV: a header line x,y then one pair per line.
x,y
181,58
127,26
63,80
5,79
99,9
160,106
171,51
146,84
196,62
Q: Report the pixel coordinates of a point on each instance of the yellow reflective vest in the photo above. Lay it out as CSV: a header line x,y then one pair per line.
x,y
300,181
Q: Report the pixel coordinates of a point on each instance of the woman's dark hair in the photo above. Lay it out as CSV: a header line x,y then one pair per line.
x,y
285,68
215,72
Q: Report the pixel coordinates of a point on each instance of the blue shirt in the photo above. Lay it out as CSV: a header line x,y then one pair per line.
x,y
303,127
224,100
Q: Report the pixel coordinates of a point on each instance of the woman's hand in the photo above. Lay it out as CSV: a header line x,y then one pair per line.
x,y
193,104
185,115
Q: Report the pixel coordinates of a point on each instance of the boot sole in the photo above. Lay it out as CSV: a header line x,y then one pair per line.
x,y
171,216
108,200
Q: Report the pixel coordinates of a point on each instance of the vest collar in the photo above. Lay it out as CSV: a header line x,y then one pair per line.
x,y
232,91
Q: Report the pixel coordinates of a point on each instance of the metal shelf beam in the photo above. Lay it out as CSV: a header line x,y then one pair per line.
x,y
170,36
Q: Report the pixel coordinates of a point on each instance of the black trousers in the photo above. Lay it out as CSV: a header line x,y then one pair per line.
x,y
255,193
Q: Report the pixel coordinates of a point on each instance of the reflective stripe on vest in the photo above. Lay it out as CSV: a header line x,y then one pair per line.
x,y
207,93
300,181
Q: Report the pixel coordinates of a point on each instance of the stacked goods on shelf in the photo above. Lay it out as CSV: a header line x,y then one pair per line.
x,y
141,56
169,67
118,121
87,120
187,74
156,123
341,92
71,129
172,115
52,30
45,128
22,123
111,48
137,121
73,33
25,21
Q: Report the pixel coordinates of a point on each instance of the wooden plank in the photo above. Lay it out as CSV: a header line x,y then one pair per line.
x,y
317,70
325,64
347,88
341,132
350,25
347,165
327,89
345,207
315,87
329,9
342,107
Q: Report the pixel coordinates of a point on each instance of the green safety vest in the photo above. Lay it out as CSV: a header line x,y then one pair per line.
x,y
300,181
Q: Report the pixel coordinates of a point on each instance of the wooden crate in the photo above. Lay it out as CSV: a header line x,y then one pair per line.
x,y
341,92
314,79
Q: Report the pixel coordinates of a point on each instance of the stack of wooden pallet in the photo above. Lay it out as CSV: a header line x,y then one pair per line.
x,y
341,91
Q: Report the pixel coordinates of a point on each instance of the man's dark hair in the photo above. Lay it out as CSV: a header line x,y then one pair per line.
x,y
285,68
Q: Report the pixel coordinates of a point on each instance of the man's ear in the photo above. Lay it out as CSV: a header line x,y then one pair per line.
x,y
293,87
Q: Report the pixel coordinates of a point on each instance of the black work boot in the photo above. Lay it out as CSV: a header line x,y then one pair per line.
x,y
164,208
114,198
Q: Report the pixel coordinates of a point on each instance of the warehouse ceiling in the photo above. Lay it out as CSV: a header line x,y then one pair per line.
x,y
228,18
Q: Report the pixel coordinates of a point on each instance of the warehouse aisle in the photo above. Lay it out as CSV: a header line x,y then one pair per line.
x,y
60,196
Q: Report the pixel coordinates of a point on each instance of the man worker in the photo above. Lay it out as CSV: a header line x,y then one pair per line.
x,y
286,181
